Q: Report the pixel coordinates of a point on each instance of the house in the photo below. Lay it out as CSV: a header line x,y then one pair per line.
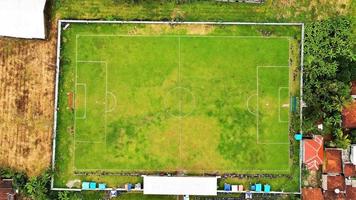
x,y
6,190
339,175
22,18
349,116
312,194
353,89
313,152
333,162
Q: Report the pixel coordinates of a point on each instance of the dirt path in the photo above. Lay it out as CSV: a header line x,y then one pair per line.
x,y
27,69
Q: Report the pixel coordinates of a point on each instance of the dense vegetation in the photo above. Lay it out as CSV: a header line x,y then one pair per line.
x,y
329,66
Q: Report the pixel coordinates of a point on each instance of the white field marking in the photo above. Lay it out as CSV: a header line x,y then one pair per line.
x,y
85,101
257,118
93,61
184,36
248,104
279,104
114,102
87,141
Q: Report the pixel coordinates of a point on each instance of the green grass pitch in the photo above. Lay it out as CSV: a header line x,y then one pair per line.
x,y
174,102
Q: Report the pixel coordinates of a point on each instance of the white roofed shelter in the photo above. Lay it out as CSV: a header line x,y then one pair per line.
x,y
163,185
22,18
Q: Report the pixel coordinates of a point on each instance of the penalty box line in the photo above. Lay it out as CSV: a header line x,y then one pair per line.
x,y
257,114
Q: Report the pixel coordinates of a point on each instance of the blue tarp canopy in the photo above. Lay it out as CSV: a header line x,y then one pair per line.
x,y
298,136
102,186
92,185
258,187
85,185
267,188
227,187
253,187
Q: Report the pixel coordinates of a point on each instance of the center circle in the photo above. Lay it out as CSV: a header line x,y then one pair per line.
x,y
179,102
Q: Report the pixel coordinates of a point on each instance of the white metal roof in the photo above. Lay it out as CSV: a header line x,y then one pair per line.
x,y
180,185
22,18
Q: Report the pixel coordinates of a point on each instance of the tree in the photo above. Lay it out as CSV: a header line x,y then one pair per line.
x,y
342,140
37,187
327,70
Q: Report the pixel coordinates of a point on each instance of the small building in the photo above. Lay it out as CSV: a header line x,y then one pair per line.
x,y
165,185
333,162
312,194
6,190
22,18
313,152
349,116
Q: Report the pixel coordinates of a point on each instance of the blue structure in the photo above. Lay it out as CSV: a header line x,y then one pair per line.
x,y
129,186
92,185
253,188
267,188
102,186
85,186
258,187
227,187
298,136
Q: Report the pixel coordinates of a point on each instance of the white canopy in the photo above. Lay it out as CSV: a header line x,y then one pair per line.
x,y
22,18
164,185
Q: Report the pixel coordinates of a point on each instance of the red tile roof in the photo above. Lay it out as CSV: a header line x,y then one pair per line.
x,y
5,189
350,192
333,161
313,152
349,116
336,182
350,170
312,194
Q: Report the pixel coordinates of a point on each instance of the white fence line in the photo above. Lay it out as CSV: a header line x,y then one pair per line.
x,y
174,23
54,136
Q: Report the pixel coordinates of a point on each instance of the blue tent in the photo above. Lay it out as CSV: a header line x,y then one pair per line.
x,y
258,187
85,185
102,186
267,188
92,185
298,136
227,187
253,188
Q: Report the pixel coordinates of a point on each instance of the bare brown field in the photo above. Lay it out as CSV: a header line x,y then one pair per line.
x,y
27,69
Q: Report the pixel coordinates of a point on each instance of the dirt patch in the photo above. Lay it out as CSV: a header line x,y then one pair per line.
x,y
27,69
199,29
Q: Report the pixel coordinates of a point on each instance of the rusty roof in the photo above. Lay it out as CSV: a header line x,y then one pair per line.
x,y
350,170
336,182
333,162
331,195
353,87
349,116
312,194
350,192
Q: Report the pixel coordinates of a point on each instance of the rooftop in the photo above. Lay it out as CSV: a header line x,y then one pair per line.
x,y
313,152
336,182
349,116
349,170
333,162
312,194
350,192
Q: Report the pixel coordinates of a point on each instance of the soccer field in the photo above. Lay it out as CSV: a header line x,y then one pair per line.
x,y
176,102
